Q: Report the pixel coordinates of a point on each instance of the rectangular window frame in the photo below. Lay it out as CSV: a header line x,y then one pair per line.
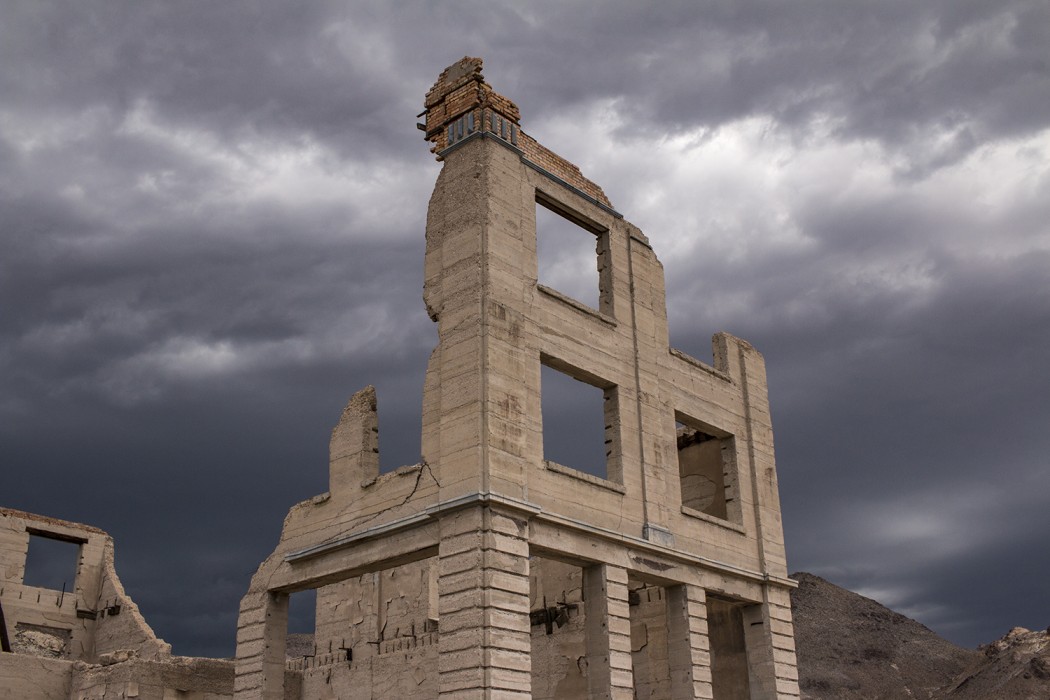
x,y
731,479
58,537
613,479
602,256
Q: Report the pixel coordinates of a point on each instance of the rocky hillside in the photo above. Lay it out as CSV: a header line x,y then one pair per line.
x,y
1016,667
852,648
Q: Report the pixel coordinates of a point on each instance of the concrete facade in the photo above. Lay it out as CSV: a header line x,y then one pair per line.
x,y
488,570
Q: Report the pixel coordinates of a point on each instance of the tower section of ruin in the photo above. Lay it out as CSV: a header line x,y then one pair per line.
x,y
496,567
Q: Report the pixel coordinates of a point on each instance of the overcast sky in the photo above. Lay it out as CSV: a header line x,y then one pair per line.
x,y
212,216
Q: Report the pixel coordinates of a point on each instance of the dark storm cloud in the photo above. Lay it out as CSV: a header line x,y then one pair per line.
x,y
280,69
212,219
177,315
929,80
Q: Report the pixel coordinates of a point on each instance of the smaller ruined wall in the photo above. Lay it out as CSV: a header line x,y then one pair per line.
x,y
42,621
89,642
120,626
190,678
94,618
34,677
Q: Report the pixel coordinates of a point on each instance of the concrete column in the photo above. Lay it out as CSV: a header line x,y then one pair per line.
x,y
261,646
771,648
689,648
608,630
483,606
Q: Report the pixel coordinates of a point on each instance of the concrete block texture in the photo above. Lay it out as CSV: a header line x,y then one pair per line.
x,y
490,569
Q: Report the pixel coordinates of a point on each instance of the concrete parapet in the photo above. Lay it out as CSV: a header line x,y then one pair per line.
x,y
354,447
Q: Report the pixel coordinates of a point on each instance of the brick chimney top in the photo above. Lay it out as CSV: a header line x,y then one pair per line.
x,y
461,103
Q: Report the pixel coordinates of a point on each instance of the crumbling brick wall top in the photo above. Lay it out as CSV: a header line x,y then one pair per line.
x,y
461,104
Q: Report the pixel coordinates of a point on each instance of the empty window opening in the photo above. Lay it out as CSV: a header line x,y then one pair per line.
x,y
398,394
730,675
579,423
52,562
571,255
649,640
302,615
556,616
707,469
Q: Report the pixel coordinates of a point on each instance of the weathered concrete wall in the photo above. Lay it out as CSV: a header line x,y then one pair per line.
x,y
50,619
559,644
180,677
392,675
488,570
95,617
91,642
120,625
35,677
381,625
633,555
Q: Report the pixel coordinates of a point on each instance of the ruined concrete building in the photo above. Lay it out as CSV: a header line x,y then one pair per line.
x,y
86,641
489,570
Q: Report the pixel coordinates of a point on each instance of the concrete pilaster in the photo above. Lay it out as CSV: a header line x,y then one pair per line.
x,y
689,651
261,647
771,649
609,670
483,606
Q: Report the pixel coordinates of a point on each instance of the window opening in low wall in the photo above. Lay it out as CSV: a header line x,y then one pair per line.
x,y
302,606
579,421
707,469
571,255
52,562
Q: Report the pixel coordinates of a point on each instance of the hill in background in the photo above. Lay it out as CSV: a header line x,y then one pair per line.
x,y
851,647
